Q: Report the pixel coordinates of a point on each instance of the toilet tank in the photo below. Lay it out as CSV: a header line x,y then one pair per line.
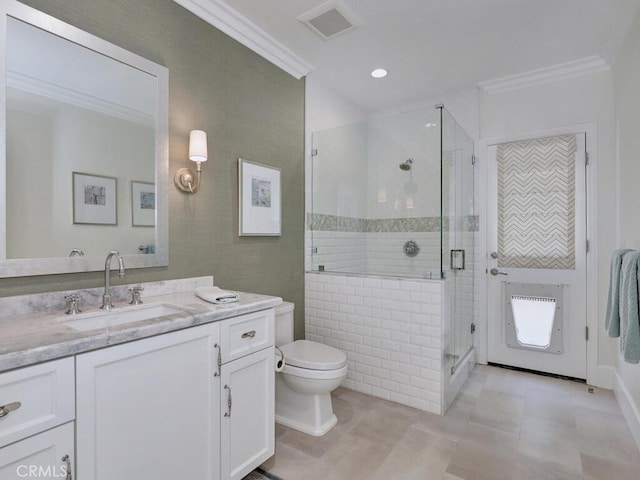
x,y
284,323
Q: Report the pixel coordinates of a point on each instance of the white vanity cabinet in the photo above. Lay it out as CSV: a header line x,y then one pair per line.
x,y
37,408
194,404
248,395
46,455
149,409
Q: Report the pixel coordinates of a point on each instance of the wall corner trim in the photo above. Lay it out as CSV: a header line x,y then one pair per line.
x,y
605,377
543,76
630,410
241,29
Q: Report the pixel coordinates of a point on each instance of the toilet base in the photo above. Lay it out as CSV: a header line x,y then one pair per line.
x,y
305,428
310,414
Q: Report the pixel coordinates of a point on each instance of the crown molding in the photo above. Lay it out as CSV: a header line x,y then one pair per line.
x,y
543,76
46,89
238,27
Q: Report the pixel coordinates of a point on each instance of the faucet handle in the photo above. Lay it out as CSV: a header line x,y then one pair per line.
x,y
73,304
135,295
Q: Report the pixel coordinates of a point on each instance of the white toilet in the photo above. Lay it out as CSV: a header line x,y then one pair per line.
x,y
311,371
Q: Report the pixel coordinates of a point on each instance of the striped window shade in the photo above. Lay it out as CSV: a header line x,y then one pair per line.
x,y
536,203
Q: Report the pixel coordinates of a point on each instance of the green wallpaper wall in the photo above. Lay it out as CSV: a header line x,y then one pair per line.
x,y
249,108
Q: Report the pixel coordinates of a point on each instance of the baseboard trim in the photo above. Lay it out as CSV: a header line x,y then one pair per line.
x,y
629,408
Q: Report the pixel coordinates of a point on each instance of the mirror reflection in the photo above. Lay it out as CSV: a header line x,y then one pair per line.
x,y
81,149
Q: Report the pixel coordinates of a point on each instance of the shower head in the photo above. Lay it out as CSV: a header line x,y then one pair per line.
x,y
406,165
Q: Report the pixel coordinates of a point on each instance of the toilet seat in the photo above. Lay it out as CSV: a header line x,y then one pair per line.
x,y
309,374
313,356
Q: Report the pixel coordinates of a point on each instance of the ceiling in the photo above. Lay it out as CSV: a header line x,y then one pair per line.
x,y
432,47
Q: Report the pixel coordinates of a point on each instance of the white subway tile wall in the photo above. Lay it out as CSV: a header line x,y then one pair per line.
x,y
339,251
390,329
376,253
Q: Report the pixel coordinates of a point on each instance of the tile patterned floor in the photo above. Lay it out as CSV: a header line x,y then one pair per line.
x,y
505,425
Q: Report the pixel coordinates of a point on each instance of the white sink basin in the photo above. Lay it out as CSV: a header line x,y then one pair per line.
x,y
120,316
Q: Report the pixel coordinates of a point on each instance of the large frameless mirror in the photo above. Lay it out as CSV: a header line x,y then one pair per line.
x,y
84,164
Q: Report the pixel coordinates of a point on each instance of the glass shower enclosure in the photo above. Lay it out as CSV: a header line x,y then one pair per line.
x,y
458,234
394,197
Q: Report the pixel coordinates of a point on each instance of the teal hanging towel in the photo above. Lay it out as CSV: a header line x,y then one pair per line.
x,y
629,314
612,315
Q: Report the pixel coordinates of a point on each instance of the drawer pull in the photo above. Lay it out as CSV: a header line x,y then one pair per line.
x,y
217,373
8,408
250,334
67,460
228,412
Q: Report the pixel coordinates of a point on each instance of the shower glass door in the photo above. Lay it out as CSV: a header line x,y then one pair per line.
x,y
375,198
459,229
338,205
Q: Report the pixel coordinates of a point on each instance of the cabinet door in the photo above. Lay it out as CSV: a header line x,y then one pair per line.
x,y
46,455
247,413
149,409
45,397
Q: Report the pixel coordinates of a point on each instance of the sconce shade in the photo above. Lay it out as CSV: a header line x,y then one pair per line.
x,y
185,179
198,146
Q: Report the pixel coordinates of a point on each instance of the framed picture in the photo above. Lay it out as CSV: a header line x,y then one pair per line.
x,y
143,204
94,199
259,199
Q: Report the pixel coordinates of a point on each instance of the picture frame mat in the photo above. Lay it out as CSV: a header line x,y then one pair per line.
x,y
260,196
143,195
94,199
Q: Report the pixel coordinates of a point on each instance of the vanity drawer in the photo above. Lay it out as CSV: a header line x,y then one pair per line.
x,y
46,396
246,334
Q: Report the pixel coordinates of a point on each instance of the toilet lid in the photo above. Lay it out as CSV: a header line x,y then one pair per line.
x,y
313,355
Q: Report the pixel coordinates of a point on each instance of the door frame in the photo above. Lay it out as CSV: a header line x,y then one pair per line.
x,y
592,306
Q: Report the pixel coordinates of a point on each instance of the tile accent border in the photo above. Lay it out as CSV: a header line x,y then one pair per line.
x,y
335,223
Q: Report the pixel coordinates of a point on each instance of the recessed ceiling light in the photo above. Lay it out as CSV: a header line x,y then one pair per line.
x,y
379,73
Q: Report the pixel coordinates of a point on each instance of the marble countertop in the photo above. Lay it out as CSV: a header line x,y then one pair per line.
x,y
30,338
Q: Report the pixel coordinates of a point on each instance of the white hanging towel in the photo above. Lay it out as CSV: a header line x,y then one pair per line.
x,y
216,295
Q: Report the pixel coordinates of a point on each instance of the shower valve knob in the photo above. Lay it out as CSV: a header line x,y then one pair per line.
x,y
411,248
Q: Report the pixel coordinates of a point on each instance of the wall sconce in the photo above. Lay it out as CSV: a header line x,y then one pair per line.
x,y
185,179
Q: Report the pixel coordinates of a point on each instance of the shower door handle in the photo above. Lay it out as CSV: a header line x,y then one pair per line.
x,y
495,271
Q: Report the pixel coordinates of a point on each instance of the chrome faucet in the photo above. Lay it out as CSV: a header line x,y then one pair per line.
x,y
106,297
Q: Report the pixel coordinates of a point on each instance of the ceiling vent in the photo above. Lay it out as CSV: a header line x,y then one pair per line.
x,y
330,19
